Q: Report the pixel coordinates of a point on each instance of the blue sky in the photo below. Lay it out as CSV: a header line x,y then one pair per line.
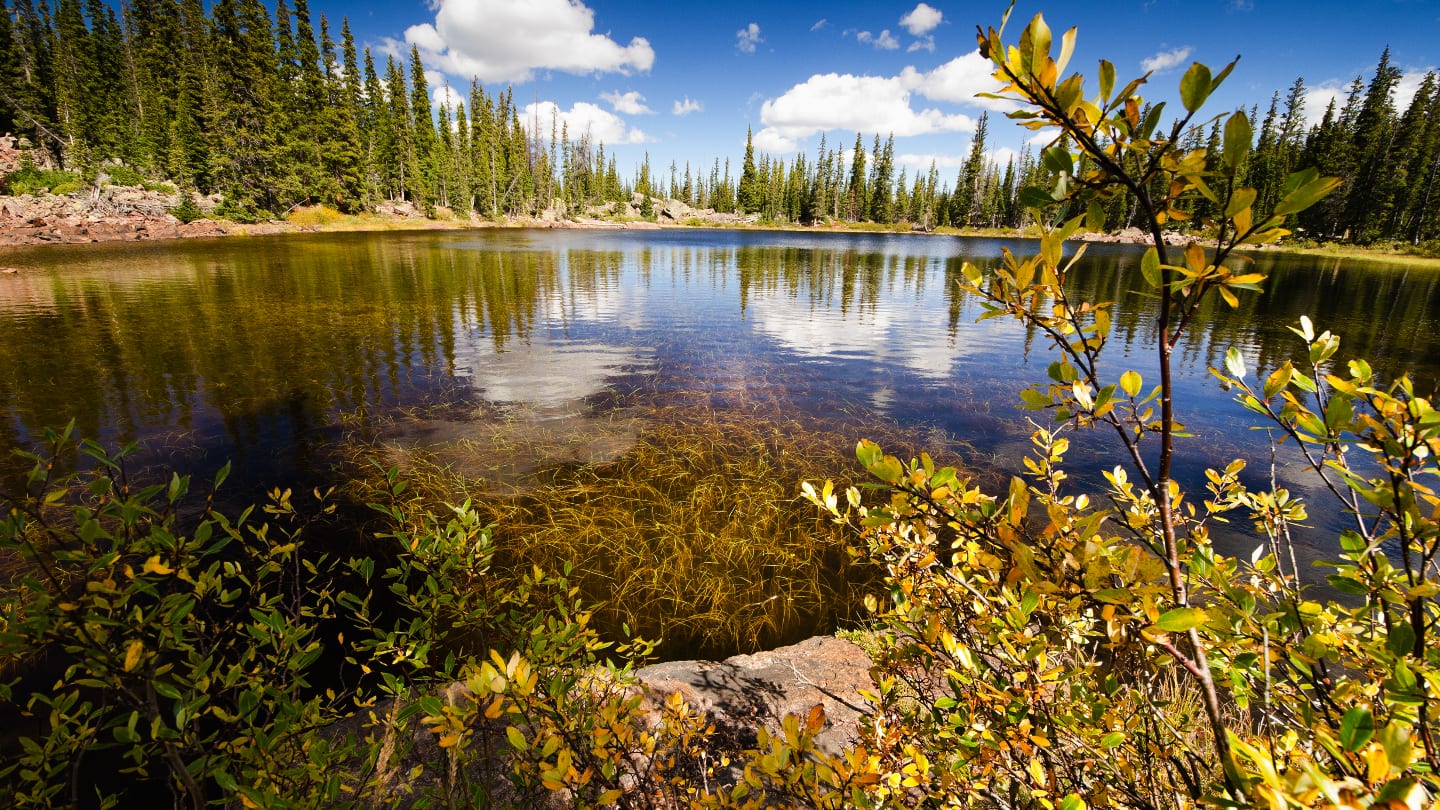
x,y
682,81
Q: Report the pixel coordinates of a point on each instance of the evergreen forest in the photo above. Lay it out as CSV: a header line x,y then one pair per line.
x,y
271,112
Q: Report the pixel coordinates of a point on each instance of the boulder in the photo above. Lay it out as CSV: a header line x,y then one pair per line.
x,y
744,692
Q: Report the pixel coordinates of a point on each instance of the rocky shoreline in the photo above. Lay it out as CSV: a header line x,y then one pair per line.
x,y
123,213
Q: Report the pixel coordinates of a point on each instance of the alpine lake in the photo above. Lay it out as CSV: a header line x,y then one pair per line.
x,y
641,406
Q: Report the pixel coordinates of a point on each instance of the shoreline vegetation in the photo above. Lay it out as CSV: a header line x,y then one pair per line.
x,y
83,217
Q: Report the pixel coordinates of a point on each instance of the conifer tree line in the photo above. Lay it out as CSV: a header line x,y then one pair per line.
x,y
1389,162
271,112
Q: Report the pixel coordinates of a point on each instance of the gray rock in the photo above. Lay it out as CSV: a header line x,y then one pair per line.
x,y
745,692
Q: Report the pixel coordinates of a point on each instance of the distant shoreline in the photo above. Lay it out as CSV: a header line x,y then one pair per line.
x,y
65,220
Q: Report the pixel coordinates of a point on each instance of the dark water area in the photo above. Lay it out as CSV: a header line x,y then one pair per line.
x,y
273,352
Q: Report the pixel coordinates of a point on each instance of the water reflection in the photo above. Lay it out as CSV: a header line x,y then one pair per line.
x,y
265,350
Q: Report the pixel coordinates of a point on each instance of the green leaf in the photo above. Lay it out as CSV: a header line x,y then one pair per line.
x,y
1238,136
1401,640
1107,80
1131,382
517,740
1195,87
1112,739
1058,159
1094,217
1036,197
1034,398
1150,267
1178,620
1242,198
1356,728
1302,190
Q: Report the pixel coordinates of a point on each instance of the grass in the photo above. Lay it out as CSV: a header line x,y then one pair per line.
x,y
693,534
1423,256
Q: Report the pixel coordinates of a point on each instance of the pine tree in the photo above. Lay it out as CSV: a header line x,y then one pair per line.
x,y
881,183
966,205
246,131
1367,202
855,192
750,196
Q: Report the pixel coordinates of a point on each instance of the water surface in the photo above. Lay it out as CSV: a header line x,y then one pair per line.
x,y
563,344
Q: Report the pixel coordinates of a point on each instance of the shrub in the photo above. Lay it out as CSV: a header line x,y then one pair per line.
x,y
122,175
29,180
187,210
1041,648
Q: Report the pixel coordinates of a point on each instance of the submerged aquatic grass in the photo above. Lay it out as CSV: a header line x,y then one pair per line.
x,y
694,535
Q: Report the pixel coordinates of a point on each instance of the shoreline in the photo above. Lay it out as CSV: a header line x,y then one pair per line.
x,y
86,222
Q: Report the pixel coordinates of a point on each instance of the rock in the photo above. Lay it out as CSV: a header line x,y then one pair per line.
x,y
745,692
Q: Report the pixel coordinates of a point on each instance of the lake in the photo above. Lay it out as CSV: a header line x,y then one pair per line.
x,y
502,356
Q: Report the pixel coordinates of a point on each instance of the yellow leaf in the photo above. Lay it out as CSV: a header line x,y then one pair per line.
x,y
132,654
154,566
450,740
247,801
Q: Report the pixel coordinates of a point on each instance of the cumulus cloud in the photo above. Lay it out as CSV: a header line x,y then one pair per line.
x,y
631,103
1165,60
921,20
1319,97
686,107
583,119
846,101
1408,85
958,81
503,41
922,162
877,104
883,41
444,96
747,38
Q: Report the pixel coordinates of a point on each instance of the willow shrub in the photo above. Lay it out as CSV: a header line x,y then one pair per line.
x,y
159,651
1041,648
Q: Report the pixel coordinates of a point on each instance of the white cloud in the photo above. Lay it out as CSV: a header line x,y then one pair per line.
x,y
503,41
921,163
921,20
444,96
748,37
883,41
925,43
878,104
581,120
1165,60
820,23
958,81
1319,97
686,107
772,142
1043,138
845,101
1001,156
631,103
1409,84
